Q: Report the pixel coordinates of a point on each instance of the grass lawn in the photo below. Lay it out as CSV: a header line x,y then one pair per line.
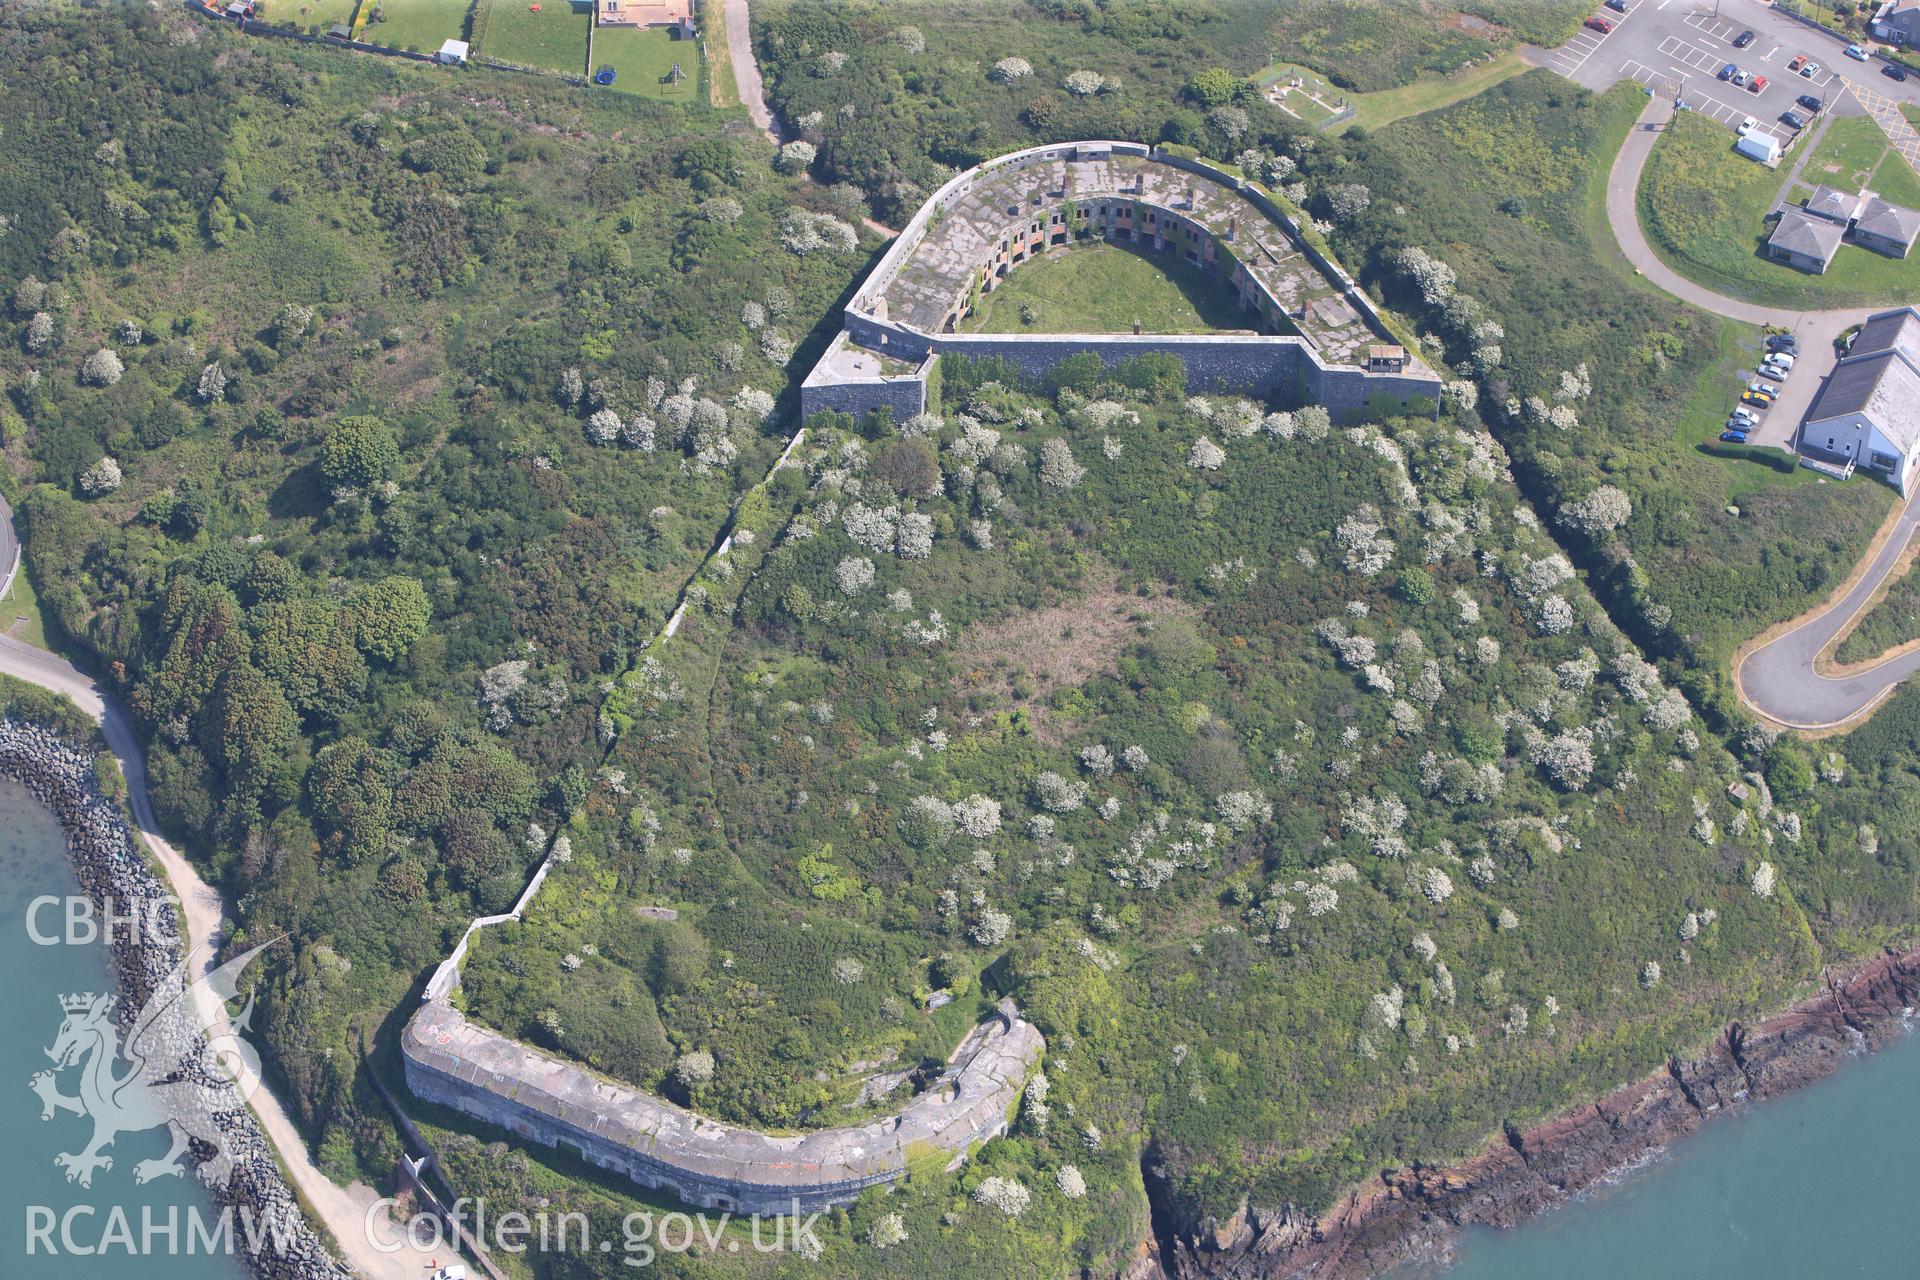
x,y
422,25
1848,153
1104,288
1896,180
309,13
21,602
1372,110
555,38
642,60
1704,210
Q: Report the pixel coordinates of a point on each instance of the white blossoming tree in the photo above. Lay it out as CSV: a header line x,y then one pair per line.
x,y
795,157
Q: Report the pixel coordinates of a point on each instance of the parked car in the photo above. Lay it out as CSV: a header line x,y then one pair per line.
x,y
1774,371
1747,416
1618,6
1746,126
1810,102
1892,72
1811,70
1729,71
1742,40
1793,120
1759,83
1762,389
1730,436
1782,358
1799,61
1855,52
1757,400
1740,78
1603,25
1782,342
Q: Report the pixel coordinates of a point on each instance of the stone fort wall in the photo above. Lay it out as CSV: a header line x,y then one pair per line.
x,y
453,1062
1250,364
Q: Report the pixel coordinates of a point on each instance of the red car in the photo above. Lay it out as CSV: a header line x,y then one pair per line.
x,y
1759,83
1603,25
1798,62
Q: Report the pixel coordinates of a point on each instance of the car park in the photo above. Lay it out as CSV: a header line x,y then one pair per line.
x,y
1811,70
1730,436
1855,52
1742,40
1810,102
1759,83
1603,25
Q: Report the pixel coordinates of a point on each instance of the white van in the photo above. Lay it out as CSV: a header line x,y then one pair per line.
x,y
1780,359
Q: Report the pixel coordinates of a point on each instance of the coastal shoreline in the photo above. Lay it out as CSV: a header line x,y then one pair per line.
x,y
110,868
1414,1213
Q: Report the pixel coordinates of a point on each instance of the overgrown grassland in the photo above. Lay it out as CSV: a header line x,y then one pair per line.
x,y
1508,189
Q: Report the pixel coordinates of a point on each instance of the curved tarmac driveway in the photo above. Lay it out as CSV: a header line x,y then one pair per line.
x,y
1778,679
1781,680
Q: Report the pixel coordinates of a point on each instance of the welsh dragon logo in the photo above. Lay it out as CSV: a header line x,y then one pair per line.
x,y
175,1076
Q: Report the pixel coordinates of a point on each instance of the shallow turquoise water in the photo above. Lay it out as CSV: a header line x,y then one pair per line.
x,y
1818,1183
33,1191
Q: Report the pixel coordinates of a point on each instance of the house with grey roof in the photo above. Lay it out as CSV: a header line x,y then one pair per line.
x,y
1834,205
1804,241
1868,414
1886,228
1898,22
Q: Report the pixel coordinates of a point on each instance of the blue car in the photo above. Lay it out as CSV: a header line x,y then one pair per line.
x,y
1730,436
1729,71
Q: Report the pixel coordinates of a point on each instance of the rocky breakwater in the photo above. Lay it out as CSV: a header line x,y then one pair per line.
x,y
154,1013
1411,1212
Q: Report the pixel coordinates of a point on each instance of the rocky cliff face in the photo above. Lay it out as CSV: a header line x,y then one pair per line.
x,y
111,869
1412,1212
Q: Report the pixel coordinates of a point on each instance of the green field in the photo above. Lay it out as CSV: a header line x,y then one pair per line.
x,y
554,39
1704,210
643,60
311,13
421,25
1105,288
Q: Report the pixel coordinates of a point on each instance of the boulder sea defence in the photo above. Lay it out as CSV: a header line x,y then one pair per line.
x,y
145,960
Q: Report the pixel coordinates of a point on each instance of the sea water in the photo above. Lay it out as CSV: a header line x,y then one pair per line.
x,y
45,1220
1815,1183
